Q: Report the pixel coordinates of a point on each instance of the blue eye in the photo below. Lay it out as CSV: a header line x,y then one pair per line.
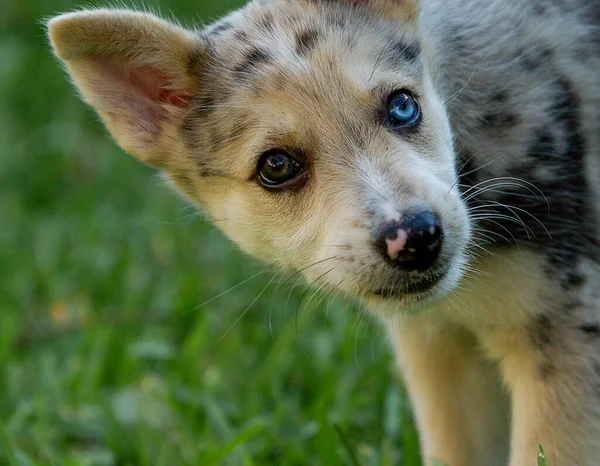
x,y
403,110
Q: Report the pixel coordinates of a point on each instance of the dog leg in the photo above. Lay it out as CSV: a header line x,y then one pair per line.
x,y
553,372
461,410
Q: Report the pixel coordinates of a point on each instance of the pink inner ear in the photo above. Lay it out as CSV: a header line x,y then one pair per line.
x,y
139,94
155,84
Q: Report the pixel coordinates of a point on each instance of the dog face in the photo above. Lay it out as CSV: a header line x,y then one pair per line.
x,y
311,130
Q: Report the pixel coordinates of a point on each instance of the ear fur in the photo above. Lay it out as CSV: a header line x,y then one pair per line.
x,y
134,69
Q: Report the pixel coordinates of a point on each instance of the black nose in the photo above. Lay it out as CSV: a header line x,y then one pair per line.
x,y
414,242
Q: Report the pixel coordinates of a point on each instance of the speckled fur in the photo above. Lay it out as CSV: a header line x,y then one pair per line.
x,y
503,352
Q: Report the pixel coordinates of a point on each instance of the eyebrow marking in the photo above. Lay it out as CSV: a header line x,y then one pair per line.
x,y
400,52
254,58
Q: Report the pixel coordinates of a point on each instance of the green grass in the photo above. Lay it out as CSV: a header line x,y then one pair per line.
x,y
542,457
105,356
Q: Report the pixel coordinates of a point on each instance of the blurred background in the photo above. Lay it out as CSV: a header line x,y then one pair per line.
x,y
120,343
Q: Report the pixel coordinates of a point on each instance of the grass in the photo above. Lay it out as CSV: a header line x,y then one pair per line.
x,y
542,457
106,357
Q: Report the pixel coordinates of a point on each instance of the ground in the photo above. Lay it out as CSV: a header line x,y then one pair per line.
x,y
107,355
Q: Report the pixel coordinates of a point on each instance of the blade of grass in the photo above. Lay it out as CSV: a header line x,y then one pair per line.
x,y
5,443
542,457
353,459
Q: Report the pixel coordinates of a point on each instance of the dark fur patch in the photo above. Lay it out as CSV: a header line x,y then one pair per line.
x,y
266,23
199,58
541,334
183,180
572,279
544,144
499,120
534,60
221,28
399,53
539,8
252,60
591,328
500,97
559,218
546,368
541,331
202,107
306,41
242,36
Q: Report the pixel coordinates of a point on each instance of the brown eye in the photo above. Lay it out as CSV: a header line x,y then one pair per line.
x,y
276,168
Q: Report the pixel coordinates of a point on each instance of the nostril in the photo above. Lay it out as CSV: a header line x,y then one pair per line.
x,y
415,242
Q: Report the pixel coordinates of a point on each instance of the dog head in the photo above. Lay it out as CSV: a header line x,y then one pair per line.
x,y
310,129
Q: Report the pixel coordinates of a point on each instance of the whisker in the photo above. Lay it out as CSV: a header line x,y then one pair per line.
x,y
525,185
505,229
512,208
299,271
308,288
330,302
247,309
272,301
226,291
498,216
479,231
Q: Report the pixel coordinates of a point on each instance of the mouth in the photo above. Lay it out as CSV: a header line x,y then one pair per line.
x,y
414,289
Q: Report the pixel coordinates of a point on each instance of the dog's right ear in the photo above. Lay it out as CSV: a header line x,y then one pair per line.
x,y
138,71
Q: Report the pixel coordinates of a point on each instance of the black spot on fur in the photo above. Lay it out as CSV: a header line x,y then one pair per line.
x,y
253,59
546,368
556,212
541,331
572,279
183,181
500,97
539,8
499,120
543,146
400,52
591,328
199,58
220,28
201,108
242,36
541,335
266,23
534,59
306,41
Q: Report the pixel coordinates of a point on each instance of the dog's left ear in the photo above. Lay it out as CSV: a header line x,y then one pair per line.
x,y
138,71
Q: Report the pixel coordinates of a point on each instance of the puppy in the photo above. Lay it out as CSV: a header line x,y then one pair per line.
x,y
439,161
